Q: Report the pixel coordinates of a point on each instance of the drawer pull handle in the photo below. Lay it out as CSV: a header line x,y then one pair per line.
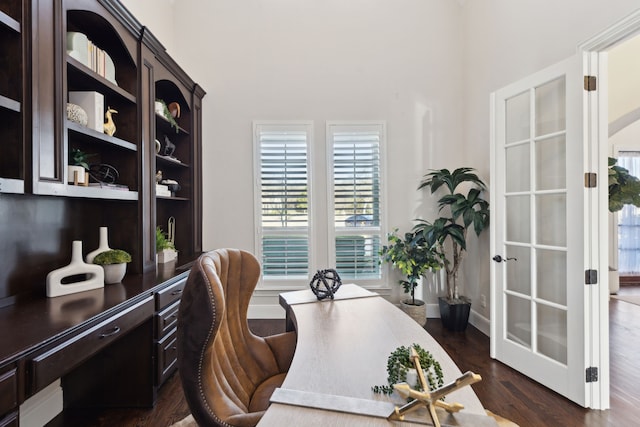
x,y
114,331
176,292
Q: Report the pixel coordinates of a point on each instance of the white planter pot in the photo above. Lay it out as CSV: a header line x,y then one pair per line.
x,y
167,255
82,175
114,273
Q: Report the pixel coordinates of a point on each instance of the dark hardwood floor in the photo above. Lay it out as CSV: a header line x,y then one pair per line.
x,y
502,390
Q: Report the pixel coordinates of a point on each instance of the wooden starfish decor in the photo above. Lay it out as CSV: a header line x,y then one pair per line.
x,y
427,398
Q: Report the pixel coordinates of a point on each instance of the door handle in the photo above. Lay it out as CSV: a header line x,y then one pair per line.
x,y
498,258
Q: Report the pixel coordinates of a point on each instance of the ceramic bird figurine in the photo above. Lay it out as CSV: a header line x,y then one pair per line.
x,y
109,125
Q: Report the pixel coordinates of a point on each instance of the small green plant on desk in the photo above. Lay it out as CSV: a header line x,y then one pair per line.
x,y
399,364
112,256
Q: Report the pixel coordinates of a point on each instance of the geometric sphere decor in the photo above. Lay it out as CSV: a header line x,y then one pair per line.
x,y
325,283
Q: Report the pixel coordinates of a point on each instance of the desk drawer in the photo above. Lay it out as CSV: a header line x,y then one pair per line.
x,y
170,294
167,319
167,356
8,391
64,357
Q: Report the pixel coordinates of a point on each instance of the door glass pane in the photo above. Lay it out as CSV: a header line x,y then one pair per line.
x,y
552,275
550,107
517,168
518,118
519,269
519,320
518,219
552,333
550,163
551,223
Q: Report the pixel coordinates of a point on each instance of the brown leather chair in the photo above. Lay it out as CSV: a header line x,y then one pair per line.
x,y
228,373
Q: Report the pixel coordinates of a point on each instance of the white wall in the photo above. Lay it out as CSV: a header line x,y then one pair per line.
x,y
426,66
624,78
505,40
158,16
321,60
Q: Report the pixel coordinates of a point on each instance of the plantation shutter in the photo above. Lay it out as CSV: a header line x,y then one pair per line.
x,y
284,200
356,199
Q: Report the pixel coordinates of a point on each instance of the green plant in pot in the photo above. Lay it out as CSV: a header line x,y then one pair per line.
x,y
400,369
448,233
114,262
413,257
165,249
78,166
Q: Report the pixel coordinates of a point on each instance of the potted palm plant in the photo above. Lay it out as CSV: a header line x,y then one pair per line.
x,y
448,233
413,257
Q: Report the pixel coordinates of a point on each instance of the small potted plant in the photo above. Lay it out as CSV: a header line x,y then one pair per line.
x,y
413,257
162,109
78,167
114,262
400,369
165,249
448,234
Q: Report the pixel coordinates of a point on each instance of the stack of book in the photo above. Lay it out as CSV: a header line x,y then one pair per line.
x,y
163,190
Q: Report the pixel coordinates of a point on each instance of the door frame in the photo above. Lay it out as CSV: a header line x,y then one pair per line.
x,y
594,53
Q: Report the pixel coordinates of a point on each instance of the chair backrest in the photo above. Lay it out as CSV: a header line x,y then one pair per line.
x,y
220,361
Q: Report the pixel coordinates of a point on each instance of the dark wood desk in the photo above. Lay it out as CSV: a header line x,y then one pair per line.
x,y
92,340
342,351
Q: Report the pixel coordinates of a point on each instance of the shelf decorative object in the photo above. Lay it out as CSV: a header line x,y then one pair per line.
x,y
92,103
165,248
57,280
325,283
109,125
161,109
77,114
103,245
78,168
114,262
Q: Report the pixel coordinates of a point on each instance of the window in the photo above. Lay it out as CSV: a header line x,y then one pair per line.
x,y
355,203
629,222
293,234
283,205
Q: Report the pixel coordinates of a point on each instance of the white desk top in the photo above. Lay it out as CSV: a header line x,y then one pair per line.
x,y
342,350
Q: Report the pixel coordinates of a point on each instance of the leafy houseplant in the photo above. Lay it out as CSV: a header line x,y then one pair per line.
x,y
165,249
411,256
624,188
399,364
448,233
114,262
78,166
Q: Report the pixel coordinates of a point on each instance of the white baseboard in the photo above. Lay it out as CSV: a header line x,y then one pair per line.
x,y
42,407
482,323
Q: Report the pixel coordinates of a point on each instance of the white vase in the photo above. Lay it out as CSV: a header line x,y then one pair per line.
x,y
114,273
103,246
57,284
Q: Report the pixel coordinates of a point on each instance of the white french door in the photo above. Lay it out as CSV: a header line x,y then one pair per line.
x,y
541,234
